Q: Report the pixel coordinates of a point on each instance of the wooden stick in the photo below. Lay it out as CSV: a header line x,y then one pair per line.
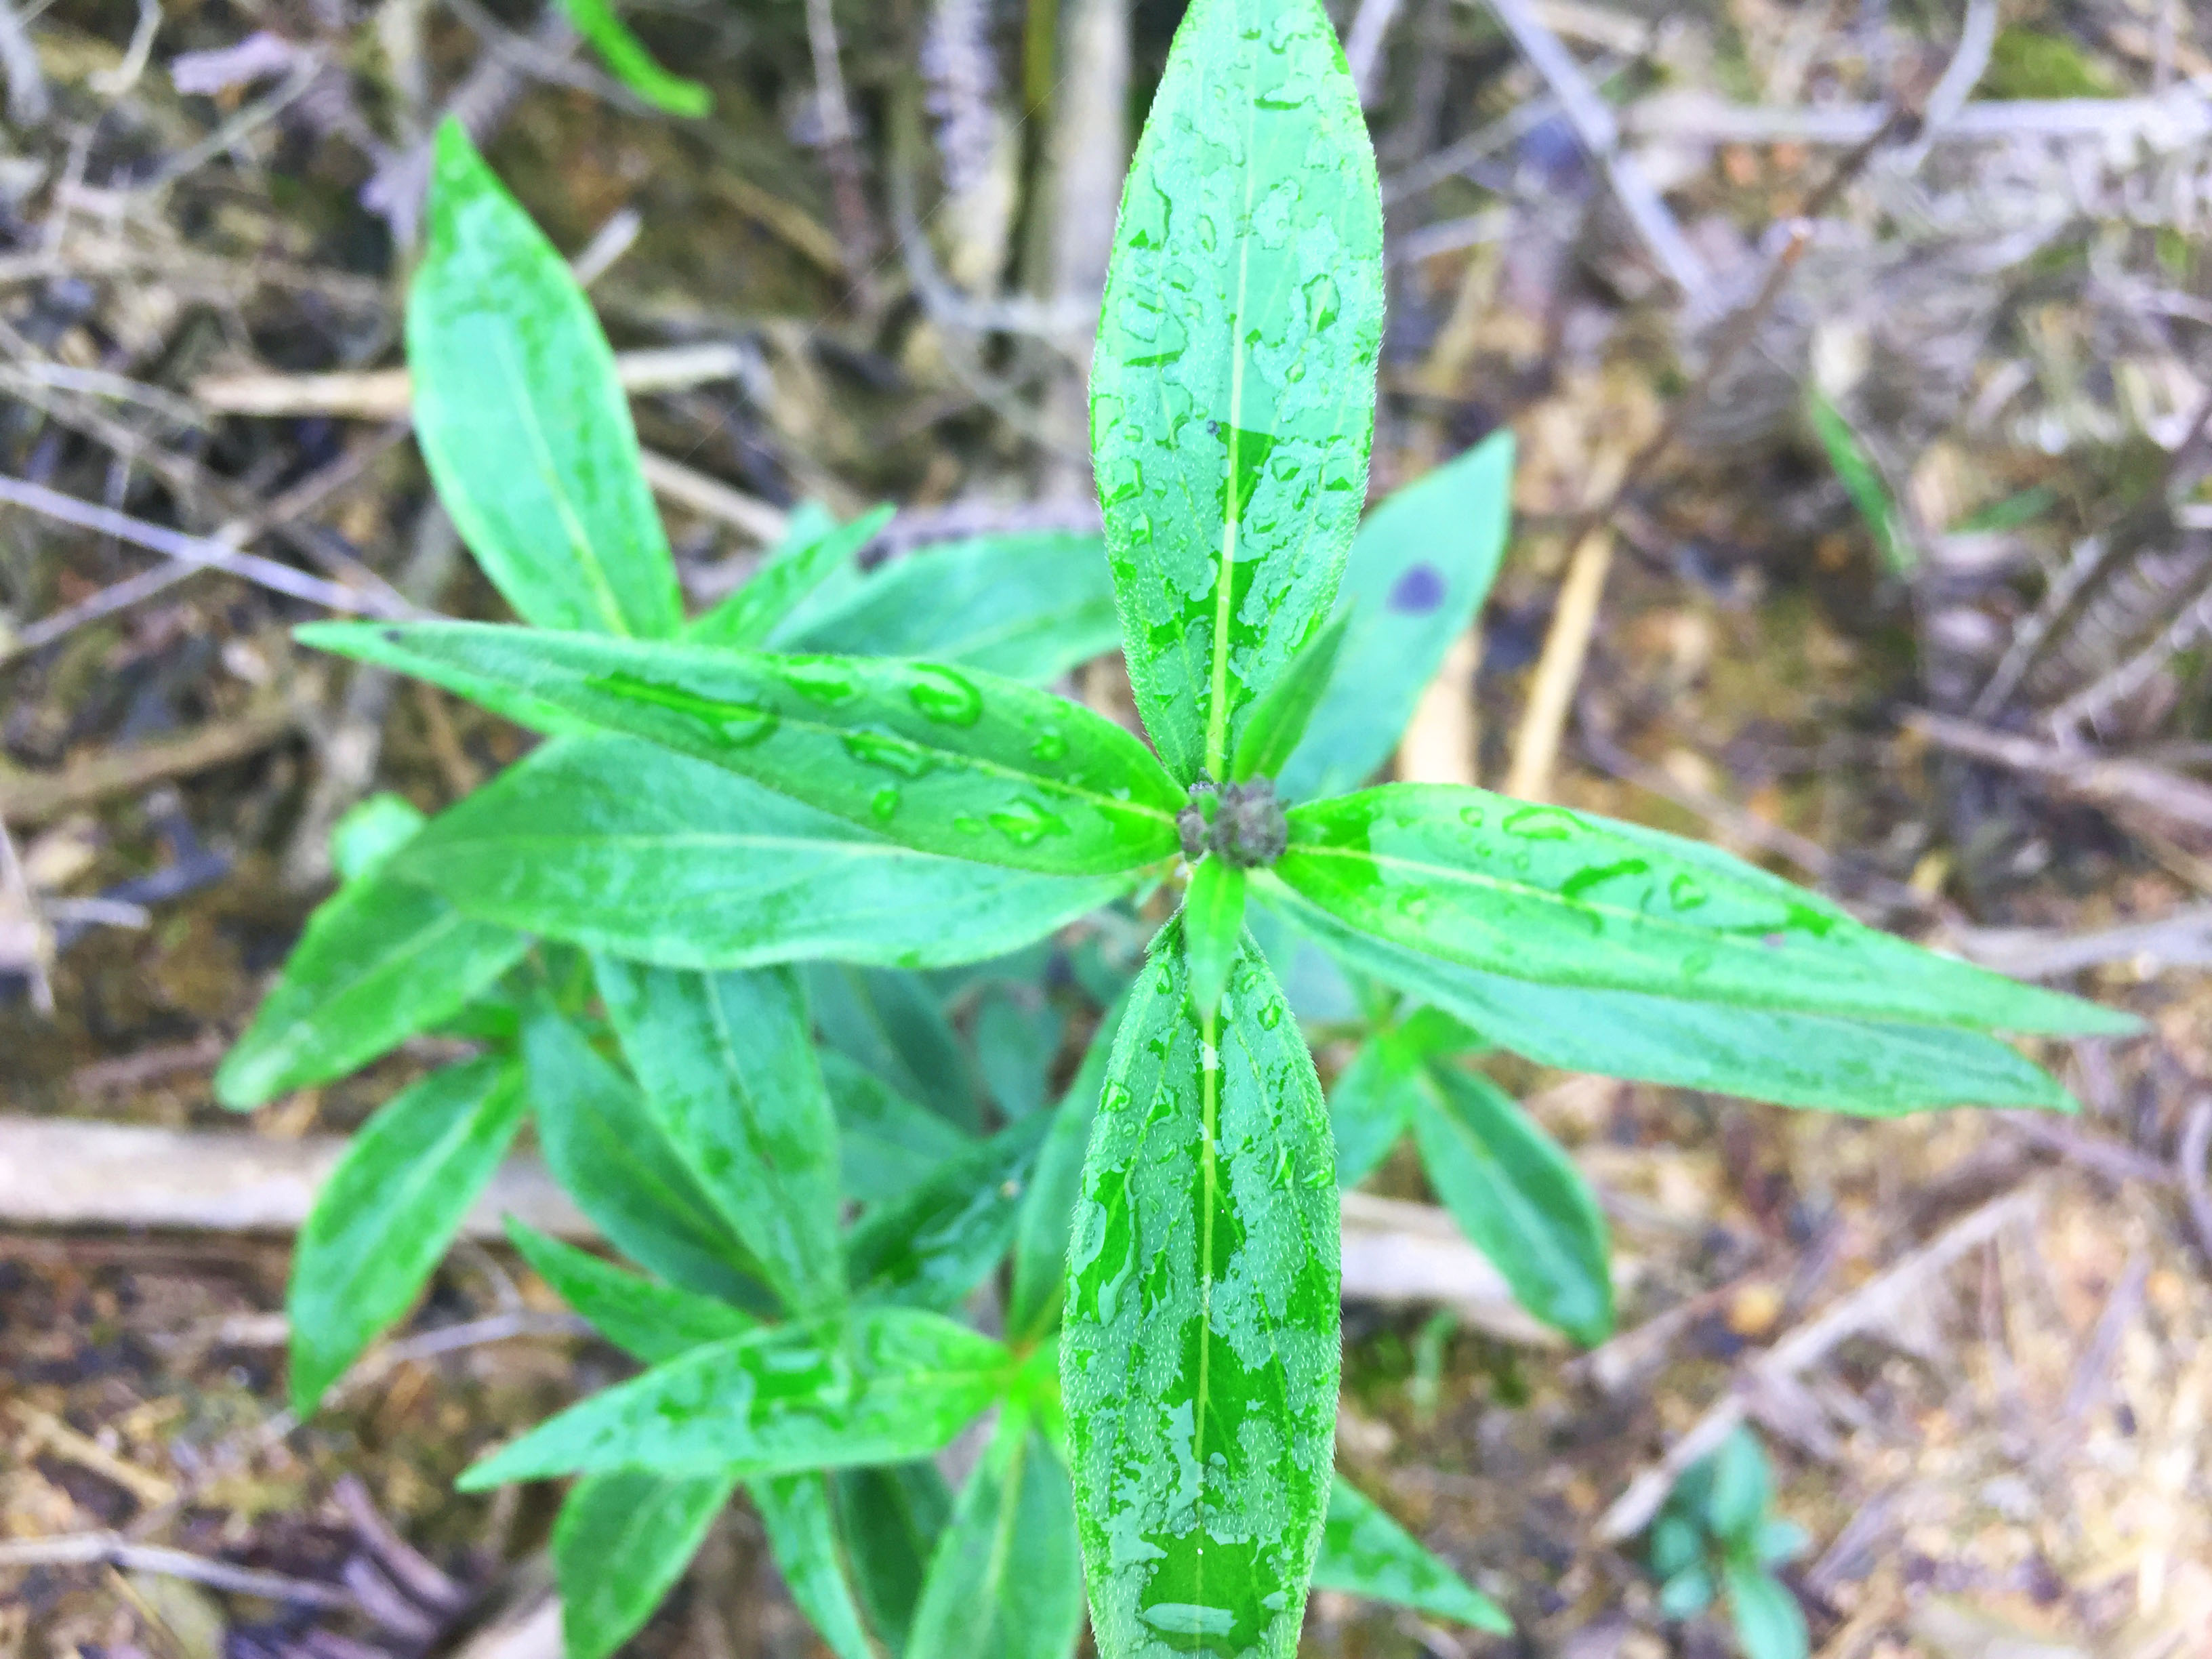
x,y
384,394
30,798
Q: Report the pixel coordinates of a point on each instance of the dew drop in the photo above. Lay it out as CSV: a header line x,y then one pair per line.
x,y
1541,824
1684,893
892,752
1271,1015
945,697
1049,746
823,680
884,802
1025,823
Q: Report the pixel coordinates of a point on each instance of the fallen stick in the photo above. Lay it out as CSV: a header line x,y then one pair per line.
x,y
69,1173
385,394
30,798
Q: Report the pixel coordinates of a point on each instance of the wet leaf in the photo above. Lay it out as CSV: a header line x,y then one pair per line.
x,y
380,961
1418,572
891,1520
1005,1581
1518,1199
1028,607
947,761
931,1246
610,1154
644,1318
1542,893
894,1024
1200,1350
1371,1107
1874,1069
618,846
1040,1279
1233,394
521,420
750,618
884,1386
1364,1553
388,1210
367,835
1279,716
1212,930
1017,1041
886,1144
726,1062
620,1542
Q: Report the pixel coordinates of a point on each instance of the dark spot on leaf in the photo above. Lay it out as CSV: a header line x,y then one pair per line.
x,y
1419,591
393,636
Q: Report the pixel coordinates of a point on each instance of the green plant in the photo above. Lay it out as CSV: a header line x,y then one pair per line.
x,y
1717,1535
722,801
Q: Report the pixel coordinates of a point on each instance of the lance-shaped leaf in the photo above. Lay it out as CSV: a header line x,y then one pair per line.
x,y
622,847
367,834
387,1211
1232,398
1519,1200
931,1246
1212,929
380,961
886,1144
802,1536
1419,571
1200,1349
634,66
894,1024
891,1520
749,618
1040,1279
1006,1581
620,1543
1541,893
726,1062
1279,715
1372,1106
1768,1621
1028,607
1872,1068
644,1318
612,1157
521,420
886,1385
1017,1039
1364,1553
942,760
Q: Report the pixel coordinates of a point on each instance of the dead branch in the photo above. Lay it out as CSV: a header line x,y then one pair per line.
x,y
384,394
2083,774
89,1549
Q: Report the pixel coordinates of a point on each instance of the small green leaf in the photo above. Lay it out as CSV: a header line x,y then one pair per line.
x,y
1028,607
1005,1581
522,420
947,761
620,1543
388,1210
620,846
1364,1553
1519,1200
647,1320
1048,1208
750,618
1677,1541
1232,399
891,1520
886,1144
1778,1540
1200,1352
380,961
633,65
892,1023
1017,1041
1879,1069
1372,1106
1741,1486
1542,893
1212,930
370,832
1768,1621
1418,573
889,1384
931,1246
1687,1593
1862,482
726,1062
1279,716
612,1154
802,1536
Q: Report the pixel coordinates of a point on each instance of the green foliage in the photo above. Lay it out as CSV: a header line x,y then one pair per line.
x,y
634,66
1716,1535
766,945
1862,482
387,1212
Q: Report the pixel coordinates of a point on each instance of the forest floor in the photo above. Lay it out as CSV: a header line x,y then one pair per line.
x,y
1979,1345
